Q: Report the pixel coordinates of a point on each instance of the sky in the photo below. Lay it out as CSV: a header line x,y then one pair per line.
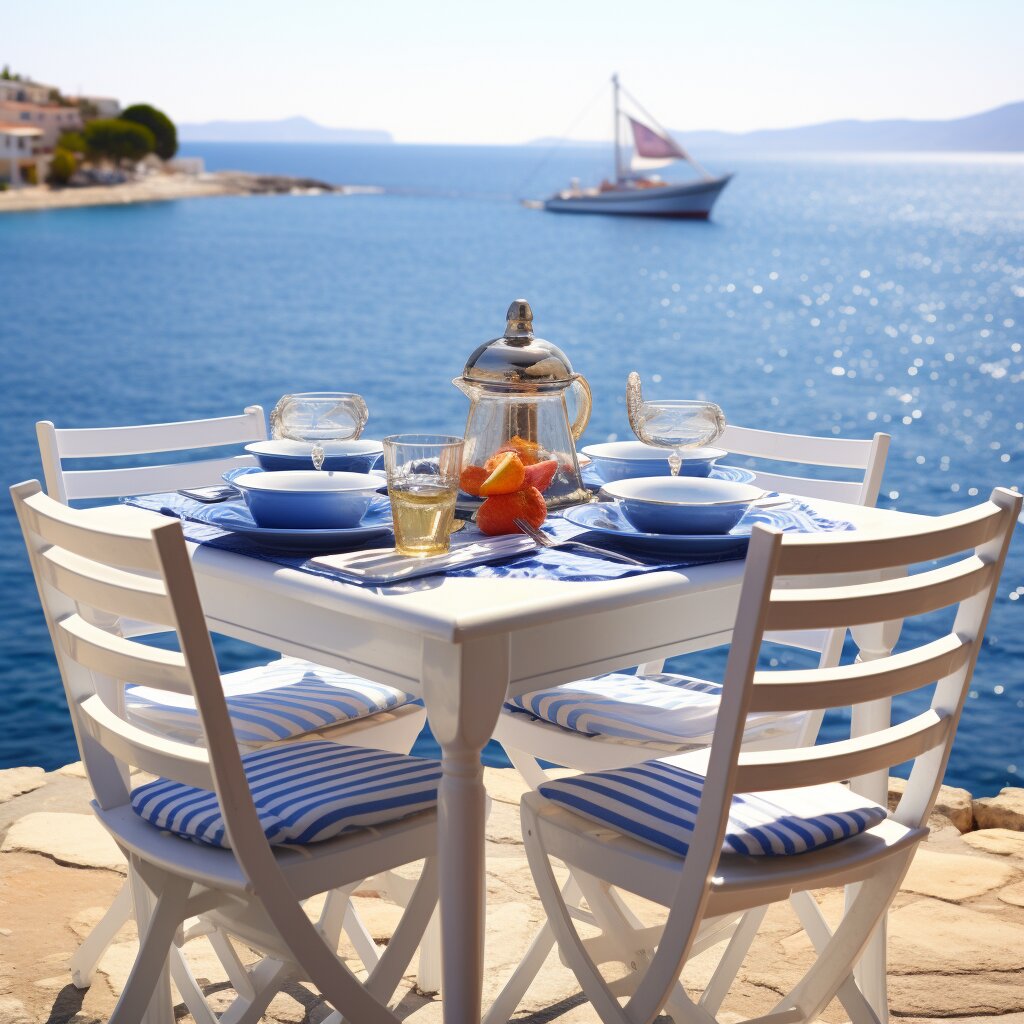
x,y
476,71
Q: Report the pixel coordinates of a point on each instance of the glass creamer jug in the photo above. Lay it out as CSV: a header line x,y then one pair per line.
x,y
517,386
319,416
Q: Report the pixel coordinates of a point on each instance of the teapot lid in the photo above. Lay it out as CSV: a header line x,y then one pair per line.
x,y
518,359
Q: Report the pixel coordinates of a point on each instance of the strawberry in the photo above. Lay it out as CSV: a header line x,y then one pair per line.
x,y
541,474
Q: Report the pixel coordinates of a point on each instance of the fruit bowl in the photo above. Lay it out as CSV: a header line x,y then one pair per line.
x,y
683,505
307,500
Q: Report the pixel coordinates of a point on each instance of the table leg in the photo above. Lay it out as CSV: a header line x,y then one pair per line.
x,y
463,689
874,641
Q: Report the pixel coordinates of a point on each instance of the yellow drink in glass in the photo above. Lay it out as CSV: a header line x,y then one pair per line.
x,y
423,481
423,515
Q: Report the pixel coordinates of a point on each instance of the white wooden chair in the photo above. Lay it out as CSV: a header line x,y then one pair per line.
x,y
528,738
89,564
680,831
602,741
395,729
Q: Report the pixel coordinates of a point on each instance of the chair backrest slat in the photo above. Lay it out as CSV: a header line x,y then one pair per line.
x,y
57,444
844,759
149,438
922,540
104,587
826,607
839,452
118,483
123,659
847,491
864,681
142,749
128,547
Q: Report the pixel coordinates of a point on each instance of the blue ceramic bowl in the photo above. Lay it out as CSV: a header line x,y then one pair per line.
x,y
357,456
626,460
307,500
684,505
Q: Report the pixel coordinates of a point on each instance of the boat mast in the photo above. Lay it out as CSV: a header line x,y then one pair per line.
x,y
618,156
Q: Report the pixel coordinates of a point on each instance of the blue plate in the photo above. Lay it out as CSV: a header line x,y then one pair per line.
x,y
592,478
234,517
606,518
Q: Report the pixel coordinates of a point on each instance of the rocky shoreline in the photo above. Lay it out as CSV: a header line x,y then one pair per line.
x,y
956,931
161,188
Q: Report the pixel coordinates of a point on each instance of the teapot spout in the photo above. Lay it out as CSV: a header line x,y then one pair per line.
x,y
464,386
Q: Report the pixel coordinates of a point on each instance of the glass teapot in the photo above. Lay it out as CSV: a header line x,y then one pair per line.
x,y
517,386
319,416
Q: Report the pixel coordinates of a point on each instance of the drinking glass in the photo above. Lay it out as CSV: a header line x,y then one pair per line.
x,y
677,424
423,481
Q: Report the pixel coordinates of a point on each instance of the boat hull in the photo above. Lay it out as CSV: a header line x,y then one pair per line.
x,y
692,201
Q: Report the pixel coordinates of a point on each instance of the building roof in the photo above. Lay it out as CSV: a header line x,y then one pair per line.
x,y
7,128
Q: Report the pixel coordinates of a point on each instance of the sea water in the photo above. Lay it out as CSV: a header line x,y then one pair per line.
x,y
836,297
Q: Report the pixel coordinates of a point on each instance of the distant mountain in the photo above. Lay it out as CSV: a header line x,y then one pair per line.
x,y
288,129
999,130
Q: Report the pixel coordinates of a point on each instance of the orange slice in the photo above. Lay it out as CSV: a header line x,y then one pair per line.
x,y
507,475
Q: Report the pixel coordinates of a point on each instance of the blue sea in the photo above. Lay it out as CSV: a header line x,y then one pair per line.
x,y
828,296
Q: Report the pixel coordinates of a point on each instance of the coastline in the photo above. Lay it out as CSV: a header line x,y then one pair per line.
x,y
158,188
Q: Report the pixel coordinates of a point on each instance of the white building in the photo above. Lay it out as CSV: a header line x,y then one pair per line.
x,y
105,106
52,121
25,91
18,145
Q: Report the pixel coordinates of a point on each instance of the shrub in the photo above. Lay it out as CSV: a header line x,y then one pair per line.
x,y
62,167
162,127
117,140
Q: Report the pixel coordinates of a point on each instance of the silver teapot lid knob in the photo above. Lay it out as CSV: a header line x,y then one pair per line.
x,y
519,320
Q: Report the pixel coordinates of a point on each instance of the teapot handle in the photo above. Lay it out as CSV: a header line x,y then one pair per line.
x,y
362,414
585,402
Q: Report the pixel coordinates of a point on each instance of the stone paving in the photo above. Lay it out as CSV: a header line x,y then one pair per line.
x,y
956,934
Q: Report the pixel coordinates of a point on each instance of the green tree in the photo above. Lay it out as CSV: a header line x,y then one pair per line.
x,y
72,142
117,140
62,167
159,124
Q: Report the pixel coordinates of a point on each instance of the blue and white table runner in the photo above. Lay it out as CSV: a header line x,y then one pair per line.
x,y
545,563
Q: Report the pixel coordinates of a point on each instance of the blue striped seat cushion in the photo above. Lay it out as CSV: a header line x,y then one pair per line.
x,y
656,802
656,708
303,792
271,702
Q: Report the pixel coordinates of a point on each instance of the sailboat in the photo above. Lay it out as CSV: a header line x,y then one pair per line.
x,y
633,192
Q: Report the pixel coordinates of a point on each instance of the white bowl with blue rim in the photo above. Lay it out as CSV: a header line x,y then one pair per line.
x,y
359,455
682,504
625,460
306,499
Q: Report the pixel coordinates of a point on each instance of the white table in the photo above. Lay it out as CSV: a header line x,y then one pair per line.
x,y
464,644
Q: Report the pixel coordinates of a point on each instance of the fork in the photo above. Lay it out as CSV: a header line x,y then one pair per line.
x,y
546,541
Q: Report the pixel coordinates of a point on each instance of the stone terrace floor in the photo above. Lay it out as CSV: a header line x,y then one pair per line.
x,y
956,937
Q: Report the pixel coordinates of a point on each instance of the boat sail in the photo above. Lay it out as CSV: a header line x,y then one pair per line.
x,y
634,193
